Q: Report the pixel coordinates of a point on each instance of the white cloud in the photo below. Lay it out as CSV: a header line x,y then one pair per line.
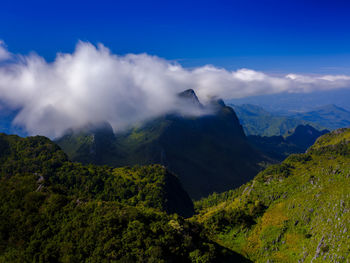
x,y
4,54
92,84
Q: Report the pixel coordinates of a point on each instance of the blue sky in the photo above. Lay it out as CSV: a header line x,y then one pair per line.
x,y
271,36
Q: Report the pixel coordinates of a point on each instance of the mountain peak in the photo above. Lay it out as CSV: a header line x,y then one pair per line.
x,y
190,97
335,107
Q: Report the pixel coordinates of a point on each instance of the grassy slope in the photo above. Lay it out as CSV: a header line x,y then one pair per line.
x,y
298,210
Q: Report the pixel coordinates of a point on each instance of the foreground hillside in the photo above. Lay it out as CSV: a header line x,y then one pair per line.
x,y
53,210
296,211
209,152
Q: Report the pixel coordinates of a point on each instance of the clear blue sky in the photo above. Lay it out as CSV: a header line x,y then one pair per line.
x,y
272,36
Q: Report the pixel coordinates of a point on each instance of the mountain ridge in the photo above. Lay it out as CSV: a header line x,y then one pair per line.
x,y
197,148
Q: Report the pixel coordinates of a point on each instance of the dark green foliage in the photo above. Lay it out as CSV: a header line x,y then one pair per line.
x,y
26,156
53,210
50,227
151,186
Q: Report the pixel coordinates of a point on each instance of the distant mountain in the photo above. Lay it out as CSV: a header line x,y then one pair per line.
x,y
290,102
279,147
257,121
208,152
296,211
329,116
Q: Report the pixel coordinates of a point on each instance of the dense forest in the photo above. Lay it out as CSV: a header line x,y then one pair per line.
x,y
53,210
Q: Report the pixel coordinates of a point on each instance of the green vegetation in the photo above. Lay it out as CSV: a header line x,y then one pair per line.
x,y
37,157
290,212
53,210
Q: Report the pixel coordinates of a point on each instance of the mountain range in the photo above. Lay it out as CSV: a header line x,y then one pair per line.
x,y
329,116
208,152
285,102
257,121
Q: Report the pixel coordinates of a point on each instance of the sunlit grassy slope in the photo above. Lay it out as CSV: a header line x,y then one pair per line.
x,y
297,211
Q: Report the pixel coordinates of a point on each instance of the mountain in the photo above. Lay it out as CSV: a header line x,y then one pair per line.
x,y
287,102
279,147
304,136
257,121
92,143
53,210
208,151
329,116
296,211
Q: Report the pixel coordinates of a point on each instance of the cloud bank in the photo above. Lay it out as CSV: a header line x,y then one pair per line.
x,y
4,54
93,85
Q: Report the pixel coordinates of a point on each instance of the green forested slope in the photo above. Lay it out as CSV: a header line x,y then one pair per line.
x,y
53,210
297,211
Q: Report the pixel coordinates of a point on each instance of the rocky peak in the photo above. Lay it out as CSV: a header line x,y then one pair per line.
x,y
190,97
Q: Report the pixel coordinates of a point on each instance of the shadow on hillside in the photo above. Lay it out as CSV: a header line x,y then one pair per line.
x,y
230,256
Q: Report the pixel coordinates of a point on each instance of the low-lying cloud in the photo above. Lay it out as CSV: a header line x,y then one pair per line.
x,y
92,85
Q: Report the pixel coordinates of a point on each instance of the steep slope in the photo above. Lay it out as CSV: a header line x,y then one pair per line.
x,y
297,211
304,136
329,116
209,152
52,210
92,143
278,147
257,121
